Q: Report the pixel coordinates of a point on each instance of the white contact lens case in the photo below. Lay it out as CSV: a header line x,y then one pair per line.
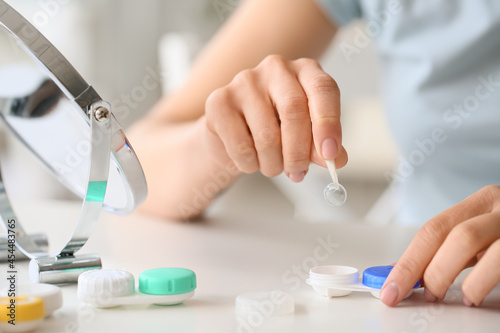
x,y
335,281
107,288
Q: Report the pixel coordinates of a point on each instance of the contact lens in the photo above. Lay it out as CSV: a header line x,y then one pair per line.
x,y
335,194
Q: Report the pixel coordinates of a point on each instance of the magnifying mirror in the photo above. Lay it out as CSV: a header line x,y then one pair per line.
x,y
61,119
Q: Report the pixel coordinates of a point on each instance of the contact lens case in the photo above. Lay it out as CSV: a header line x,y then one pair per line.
x,y
25,313
335,281
50,294
21,314
107,288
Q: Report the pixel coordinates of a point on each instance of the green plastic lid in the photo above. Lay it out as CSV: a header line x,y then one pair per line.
x,y
167,281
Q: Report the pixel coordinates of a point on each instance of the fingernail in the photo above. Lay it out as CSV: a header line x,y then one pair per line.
x,y
390,294
429,297
329,149
297,177
468,303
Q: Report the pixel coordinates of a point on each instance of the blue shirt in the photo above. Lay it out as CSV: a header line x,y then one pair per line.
x,y
441,79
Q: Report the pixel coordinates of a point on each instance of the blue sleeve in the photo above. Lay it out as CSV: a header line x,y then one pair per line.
x,y
341,12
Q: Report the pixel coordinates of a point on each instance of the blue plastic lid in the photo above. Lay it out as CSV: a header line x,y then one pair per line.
x,y
374,277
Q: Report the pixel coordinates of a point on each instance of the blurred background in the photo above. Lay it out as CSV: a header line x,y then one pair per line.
x,y
117,44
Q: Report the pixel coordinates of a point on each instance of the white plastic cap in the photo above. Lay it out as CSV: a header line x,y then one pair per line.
x,y
105,283
268,303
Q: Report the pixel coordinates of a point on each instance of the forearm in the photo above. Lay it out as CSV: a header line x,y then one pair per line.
x,y
290,28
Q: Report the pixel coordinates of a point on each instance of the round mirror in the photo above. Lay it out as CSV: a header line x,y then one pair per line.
x,y
50,108
42,112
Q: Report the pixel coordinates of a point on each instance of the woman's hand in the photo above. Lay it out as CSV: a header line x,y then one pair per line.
x,y
278,116
467,234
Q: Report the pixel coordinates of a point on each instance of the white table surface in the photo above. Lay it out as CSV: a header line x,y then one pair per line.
x,y
248,242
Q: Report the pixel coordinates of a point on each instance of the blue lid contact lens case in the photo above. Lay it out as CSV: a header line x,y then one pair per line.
x,y
336,281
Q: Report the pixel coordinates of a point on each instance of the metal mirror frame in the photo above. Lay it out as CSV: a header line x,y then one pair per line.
x,y
112,144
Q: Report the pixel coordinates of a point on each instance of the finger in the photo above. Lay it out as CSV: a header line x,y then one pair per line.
x,y
484,277
262,122
323,97
410,268
471,263
266,135
291,105
340,161
230,126
215,146
461,246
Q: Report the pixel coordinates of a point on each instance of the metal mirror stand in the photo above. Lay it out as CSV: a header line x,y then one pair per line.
x,y
64,266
